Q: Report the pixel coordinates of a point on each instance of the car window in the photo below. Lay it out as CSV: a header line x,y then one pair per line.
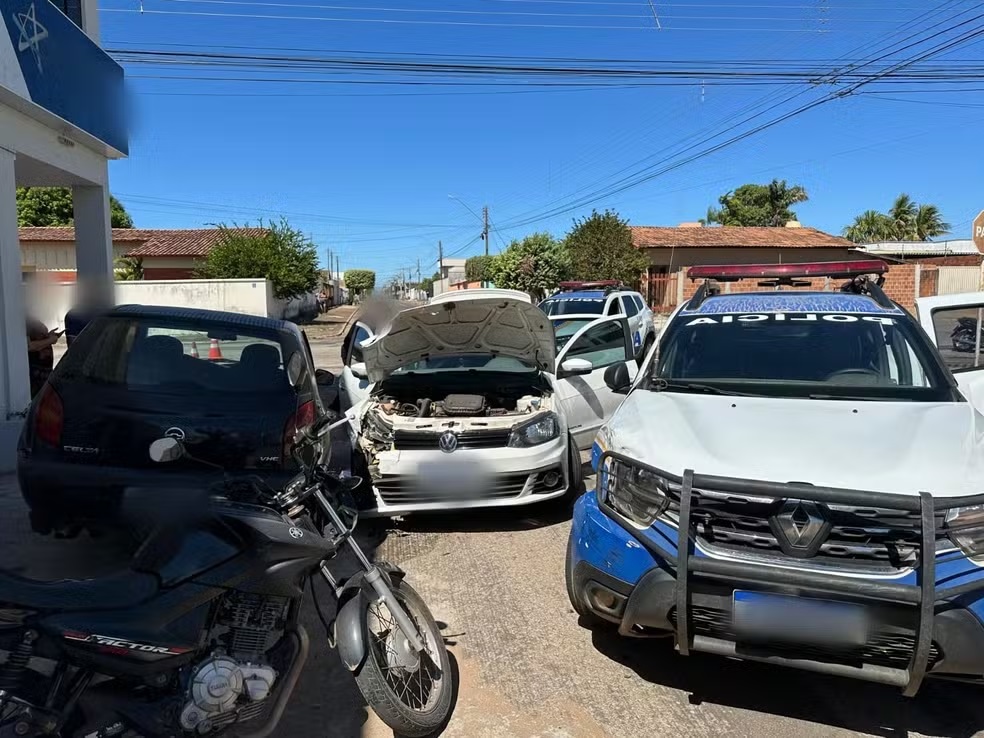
x,y
602,345
631,308
156,354
957,330
361,335
815,354
614,307
639,302
573,306
564,330
479,362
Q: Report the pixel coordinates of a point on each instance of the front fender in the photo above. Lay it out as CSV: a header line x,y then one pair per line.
x,y
353,601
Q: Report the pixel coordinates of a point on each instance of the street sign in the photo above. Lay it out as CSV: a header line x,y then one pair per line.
x,y
979,231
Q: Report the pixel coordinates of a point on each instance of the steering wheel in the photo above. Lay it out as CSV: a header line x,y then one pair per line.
x,y
848,374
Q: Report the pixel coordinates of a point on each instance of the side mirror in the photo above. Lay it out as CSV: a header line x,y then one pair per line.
x,y
572,367
164,450
359,369
323,377
617,378
295,368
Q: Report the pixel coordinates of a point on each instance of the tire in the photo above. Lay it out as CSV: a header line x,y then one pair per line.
x,y
586,618
374,676
576,480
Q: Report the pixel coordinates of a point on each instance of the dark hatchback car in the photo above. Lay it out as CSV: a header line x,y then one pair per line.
x,y
215,380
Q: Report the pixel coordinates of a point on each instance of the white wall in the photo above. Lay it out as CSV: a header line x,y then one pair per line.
x,y
49,302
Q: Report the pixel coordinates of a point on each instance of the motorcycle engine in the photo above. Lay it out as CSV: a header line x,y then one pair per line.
x,y
233,683
222,691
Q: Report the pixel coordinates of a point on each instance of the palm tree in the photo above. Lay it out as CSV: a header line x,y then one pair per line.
x,y
781,198
929,223
869,227
903,216
129,269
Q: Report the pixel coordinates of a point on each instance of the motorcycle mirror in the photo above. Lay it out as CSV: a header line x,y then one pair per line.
x,y
295,368
166,449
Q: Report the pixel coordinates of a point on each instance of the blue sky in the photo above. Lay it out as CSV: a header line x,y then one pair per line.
x,y
367,170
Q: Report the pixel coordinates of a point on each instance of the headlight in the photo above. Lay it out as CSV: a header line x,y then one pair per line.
x,y
637,493
965,527
543,429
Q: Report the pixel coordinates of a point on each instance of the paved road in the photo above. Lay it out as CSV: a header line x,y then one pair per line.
x,y
528,669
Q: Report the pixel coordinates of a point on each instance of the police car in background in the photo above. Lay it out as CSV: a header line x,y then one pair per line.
x,y
826,468
590,300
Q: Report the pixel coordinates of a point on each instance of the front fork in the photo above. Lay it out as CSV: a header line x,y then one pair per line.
x,y
375,578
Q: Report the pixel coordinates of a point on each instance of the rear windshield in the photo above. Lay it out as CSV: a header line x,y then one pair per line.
x,y
160,355
465,362
573,306
808,354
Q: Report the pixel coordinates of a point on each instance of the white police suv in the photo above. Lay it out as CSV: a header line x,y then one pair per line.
x,y
825,468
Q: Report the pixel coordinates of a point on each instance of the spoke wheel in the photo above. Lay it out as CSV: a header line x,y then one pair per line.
x,y
410,691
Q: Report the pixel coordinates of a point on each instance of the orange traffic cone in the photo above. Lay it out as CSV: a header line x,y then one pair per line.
x,y
194,350
214,352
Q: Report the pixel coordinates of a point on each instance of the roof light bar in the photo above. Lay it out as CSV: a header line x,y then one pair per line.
x,y
837,269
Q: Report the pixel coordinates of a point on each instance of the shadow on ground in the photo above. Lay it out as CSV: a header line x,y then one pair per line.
x,y
940,708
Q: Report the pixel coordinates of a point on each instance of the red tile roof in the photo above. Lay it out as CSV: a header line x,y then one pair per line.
x,y
648,237
147,241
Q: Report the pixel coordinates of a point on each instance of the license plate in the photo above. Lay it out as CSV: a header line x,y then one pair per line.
x,y
761,617
452,478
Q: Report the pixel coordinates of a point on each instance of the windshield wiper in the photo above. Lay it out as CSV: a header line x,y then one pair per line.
x,y
661,385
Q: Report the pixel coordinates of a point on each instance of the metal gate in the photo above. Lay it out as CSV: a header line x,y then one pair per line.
x,y
956,279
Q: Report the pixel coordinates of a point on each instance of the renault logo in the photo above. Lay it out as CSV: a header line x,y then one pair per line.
x,y
800,527
448,442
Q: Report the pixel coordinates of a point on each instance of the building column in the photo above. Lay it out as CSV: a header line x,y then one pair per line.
x,y
15,384
93,235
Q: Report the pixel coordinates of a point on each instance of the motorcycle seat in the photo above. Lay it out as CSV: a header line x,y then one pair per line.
x,y
111,592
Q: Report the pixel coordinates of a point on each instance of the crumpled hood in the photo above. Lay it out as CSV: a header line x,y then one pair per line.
x,y
903,447
498,326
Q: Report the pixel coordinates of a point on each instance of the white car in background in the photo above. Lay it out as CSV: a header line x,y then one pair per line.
x,y
473,401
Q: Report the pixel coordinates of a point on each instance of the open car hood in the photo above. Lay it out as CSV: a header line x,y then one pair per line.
x,y
497,326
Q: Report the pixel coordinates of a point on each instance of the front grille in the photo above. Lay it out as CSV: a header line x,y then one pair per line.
x,y
883,648
860,538
409,490
428,440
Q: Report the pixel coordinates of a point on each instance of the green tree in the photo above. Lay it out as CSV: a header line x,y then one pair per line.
x,y
906,220
52,206
758,205
534,265
930,223
477,268
129,269
600,247
277,252
360,281
869,227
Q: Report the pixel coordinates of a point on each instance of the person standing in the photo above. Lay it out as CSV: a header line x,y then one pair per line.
x,y
40,356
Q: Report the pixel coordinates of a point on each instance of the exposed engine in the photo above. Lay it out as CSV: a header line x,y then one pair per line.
x,y
233,683
459,405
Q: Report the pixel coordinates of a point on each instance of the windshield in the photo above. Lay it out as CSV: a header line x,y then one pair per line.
x,y
465,362
806,355
573,306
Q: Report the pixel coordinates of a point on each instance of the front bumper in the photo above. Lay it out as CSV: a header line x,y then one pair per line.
x,y
930,626
516,476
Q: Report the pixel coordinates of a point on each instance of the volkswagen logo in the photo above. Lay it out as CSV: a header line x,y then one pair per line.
x,y
448,442
176,433
296,533
800,527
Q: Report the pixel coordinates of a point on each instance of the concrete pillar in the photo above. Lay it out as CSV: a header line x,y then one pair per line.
x,y
15,385
90,19
93,235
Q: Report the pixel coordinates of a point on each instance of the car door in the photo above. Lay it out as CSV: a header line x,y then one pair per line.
x,y
352,390
953,323
631,309
585,399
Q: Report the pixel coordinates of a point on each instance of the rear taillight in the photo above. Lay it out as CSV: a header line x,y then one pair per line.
x,y
302,418
49,418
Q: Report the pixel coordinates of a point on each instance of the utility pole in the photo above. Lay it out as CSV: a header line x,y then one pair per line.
x,y
485,228
418,270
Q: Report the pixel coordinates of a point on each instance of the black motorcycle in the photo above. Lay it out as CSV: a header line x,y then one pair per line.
x,y
965,335
201,634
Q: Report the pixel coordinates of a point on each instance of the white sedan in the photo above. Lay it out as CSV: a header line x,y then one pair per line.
x,y
478,399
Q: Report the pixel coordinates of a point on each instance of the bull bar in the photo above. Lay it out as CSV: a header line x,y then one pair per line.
x,y
922,597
